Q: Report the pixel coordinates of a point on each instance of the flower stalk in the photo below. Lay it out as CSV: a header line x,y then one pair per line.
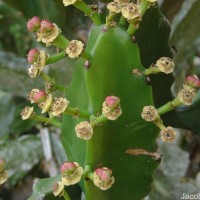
x,y
81,5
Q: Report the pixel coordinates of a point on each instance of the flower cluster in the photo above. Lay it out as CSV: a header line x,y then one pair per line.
x,y
48,103
111,108
37,59
71,174
3,172
45,30
74,49
84,130
187,95
103,178
168,134
131,11
149,113
165,65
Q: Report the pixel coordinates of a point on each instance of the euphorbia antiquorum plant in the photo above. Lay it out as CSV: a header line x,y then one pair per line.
x,y
112,112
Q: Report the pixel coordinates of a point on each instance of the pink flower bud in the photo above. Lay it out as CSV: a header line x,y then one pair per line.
x,y
103,178
33,55
193,81
33,24
67,167
103,173
46,26
112,101
39,96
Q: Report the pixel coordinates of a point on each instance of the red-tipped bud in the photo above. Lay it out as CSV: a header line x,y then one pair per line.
x,y
67,167
112,101
193,81
46,26
39,96
103,178
33,55
33,24
103,173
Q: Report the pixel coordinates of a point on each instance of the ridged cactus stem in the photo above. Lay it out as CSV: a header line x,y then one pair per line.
x,y
61,42
81,5
55,58
169,106
55,86
51,121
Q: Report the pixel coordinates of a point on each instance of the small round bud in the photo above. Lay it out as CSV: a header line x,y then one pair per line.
x,y
58,106
69,2
46,26
84,130
113,7
111,108
72,173
2,165
58,188
168,134
68,167
46,104
149,113
131,11
27,112
3,177
193,81
39,96
112,101
33,24
33,71
31,95
187,94
33,55
74,49
103,179
48,32
165,65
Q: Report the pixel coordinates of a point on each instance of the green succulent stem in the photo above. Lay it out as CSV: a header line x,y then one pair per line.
x,y
122,20
151,70
144,5
51,121
51,80
61,42
109,18
159,123
169,106
77,113
98,120
81,5
55,58
131,29
65,195
87,172
86,55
